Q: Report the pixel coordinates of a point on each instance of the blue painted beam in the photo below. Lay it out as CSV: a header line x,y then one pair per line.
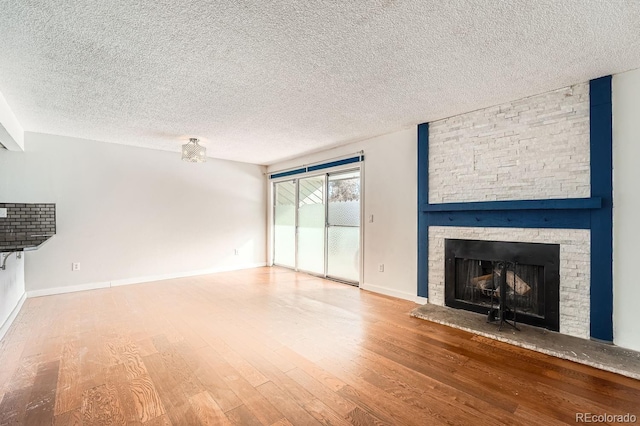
x,y
601,145
554,204
556,219
423,198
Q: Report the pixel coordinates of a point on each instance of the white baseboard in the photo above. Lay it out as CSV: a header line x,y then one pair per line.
x,y
421,300
67,289
394,293
12,316
138,280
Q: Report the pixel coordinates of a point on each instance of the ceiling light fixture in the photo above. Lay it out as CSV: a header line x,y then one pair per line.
x,y
194,152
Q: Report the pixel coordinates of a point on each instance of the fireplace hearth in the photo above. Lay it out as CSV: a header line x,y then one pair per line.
x,y
518,281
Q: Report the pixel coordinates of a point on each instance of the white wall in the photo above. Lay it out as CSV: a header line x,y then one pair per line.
x,y
12,291
390,195
626,201
130,214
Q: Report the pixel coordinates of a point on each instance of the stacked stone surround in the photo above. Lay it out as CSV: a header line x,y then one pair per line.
x,y
535,148
575,253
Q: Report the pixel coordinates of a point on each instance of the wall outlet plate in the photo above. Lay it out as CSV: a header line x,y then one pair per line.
x,y
75,266
3,212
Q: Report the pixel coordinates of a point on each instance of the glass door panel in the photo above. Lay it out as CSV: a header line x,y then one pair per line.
x,y
311,224
343,253
284,246
343,226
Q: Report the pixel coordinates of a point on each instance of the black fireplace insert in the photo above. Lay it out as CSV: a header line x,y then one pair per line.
x,y
474,270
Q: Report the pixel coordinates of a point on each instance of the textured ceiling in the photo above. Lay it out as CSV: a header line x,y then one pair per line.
x,y
260,81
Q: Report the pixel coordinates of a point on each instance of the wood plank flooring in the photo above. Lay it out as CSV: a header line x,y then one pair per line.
x,y
269,346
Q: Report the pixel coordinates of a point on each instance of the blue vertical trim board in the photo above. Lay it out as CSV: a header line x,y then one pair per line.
x,y
601,137
594,213
423,198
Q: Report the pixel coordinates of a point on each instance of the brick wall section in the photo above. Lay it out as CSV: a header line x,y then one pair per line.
x,y
26,225
533,148
575,277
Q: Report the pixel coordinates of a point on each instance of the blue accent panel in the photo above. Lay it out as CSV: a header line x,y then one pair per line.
x,y
334,163
423,198
601,131
558,219
556,204
288,173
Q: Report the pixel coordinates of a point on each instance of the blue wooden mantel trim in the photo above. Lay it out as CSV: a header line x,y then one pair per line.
x,y
594,213
556,204
556,219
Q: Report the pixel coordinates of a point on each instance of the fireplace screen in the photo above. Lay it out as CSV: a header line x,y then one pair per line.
x,y
528,272
478,282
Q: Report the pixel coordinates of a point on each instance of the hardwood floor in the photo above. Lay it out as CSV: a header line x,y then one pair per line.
x,y
272,347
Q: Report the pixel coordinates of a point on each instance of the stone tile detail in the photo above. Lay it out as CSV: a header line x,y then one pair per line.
x,y
533,148
575,273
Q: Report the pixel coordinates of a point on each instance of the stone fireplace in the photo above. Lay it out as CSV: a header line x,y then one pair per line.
x,y
532,175
573,265
537,172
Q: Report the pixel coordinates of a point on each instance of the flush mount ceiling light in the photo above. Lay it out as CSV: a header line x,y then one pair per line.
x,y
194,152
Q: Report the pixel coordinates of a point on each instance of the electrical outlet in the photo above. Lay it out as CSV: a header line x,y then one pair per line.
x,y
381,267
75,266
370,218
236,252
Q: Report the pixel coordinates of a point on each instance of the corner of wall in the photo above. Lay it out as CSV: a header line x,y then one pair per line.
x,y
12,316
12,292
626,227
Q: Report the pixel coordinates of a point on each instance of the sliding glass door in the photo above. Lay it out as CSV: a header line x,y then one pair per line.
x,y
317,225
343,226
